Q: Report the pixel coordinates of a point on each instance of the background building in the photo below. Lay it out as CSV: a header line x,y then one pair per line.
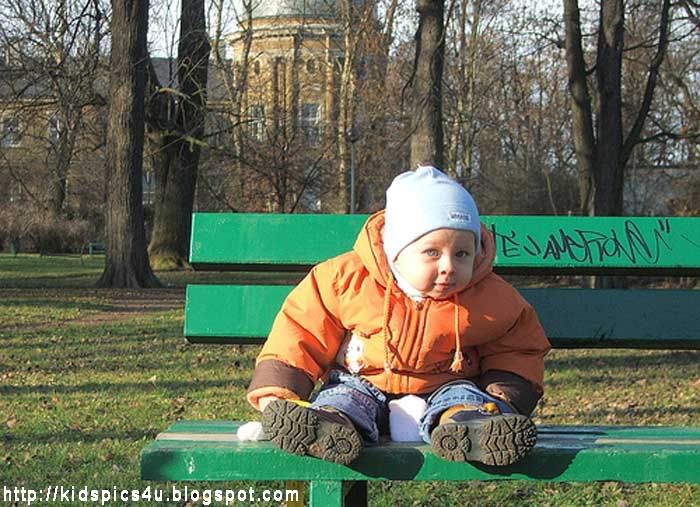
x,y
292,66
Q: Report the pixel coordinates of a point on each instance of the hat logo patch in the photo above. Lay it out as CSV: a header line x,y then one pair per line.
x,y
458,216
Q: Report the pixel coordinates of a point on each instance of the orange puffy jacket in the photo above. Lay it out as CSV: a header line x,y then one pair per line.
x,y
348,312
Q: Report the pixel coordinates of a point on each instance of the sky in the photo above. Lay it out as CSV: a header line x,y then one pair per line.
x,y
164,19
164,27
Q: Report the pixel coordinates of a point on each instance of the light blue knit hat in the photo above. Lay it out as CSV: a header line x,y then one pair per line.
x,y
421,201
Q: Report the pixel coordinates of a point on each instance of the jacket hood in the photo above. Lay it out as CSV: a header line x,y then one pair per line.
x,y
369,247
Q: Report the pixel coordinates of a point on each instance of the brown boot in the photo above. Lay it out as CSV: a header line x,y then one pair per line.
x,y
483,434
324,434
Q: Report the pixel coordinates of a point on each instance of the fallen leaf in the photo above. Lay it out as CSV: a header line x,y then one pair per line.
x,y
178,405
12,423
695,383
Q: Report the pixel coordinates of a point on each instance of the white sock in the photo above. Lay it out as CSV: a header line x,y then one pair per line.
x,y
250,431
404,415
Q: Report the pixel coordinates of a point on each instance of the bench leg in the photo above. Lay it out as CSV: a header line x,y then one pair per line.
x,y
356,494
326,493
301,488
338,494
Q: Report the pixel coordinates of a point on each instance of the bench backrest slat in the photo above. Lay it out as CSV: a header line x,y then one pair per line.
x,y
572,318
524,244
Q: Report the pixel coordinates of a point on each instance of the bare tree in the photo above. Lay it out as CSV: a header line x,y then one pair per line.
x,y
381,128
355,22
461,122
233,77
126,263
176,176
264,154
603,146
53,52
426,85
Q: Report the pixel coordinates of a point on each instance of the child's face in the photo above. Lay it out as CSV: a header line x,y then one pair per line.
x,y
439,263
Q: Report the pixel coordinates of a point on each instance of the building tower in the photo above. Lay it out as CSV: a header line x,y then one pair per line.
x,y
292,68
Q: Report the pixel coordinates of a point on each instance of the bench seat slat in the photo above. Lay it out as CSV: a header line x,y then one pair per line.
x,y
572,318
600,453
524,244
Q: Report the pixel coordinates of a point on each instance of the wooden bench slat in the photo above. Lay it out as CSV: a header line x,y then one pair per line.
x,y
525,244
598,453
572,318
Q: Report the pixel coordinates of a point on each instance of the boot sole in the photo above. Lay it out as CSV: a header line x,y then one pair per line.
x,y
497,440
299,430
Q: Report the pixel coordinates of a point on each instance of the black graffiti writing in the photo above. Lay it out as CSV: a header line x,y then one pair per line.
x,y
588,246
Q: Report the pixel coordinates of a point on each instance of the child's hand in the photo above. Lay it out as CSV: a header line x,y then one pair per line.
x,y
265,401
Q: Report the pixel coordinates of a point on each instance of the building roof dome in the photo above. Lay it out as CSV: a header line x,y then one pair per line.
x,y
295,9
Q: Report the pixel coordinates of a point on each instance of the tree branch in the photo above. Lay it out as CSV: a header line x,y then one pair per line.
x,y
692,16
635,132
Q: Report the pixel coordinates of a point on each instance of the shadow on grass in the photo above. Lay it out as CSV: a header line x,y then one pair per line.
x,y
121,387
67,348
625,361
170,279
57,281
646,413
59,304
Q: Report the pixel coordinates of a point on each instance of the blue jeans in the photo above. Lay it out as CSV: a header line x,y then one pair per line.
x,y
368,407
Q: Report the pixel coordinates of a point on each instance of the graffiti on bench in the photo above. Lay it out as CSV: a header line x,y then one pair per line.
x,y
637,242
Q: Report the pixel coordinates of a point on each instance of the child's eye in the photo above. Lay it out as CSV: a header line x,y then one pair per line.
x,y
431,252
462,253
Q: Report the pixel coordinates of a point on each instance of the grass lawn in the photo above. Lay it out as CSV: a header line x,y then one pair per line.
x,y
88,377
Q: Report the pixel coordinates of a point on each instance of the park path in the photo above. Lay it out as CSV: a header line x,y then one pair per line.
x,y
100,305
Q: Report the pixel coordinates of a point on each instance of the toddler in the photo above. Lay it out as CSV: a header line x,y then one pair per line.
x,y
414,308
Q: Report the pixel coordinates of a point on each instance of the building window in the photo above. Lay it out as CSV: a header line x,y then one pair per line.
x,y
55,129
256,67
309,123
256,114
11,132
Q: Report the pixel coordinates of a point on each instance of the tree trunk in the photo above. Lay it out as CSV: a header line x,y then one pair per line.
x,y
602,157
426,118
62,160
582,116
346,103
608,173
126,263
57,191
177,179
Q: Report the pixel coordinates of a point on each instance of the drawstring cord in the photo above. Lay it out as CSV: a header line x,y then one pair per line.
x,y
385,322
456,366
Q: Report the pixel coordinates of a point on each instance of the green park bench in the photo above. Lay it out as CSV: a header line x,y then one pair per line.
x,y
95,247
572,318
